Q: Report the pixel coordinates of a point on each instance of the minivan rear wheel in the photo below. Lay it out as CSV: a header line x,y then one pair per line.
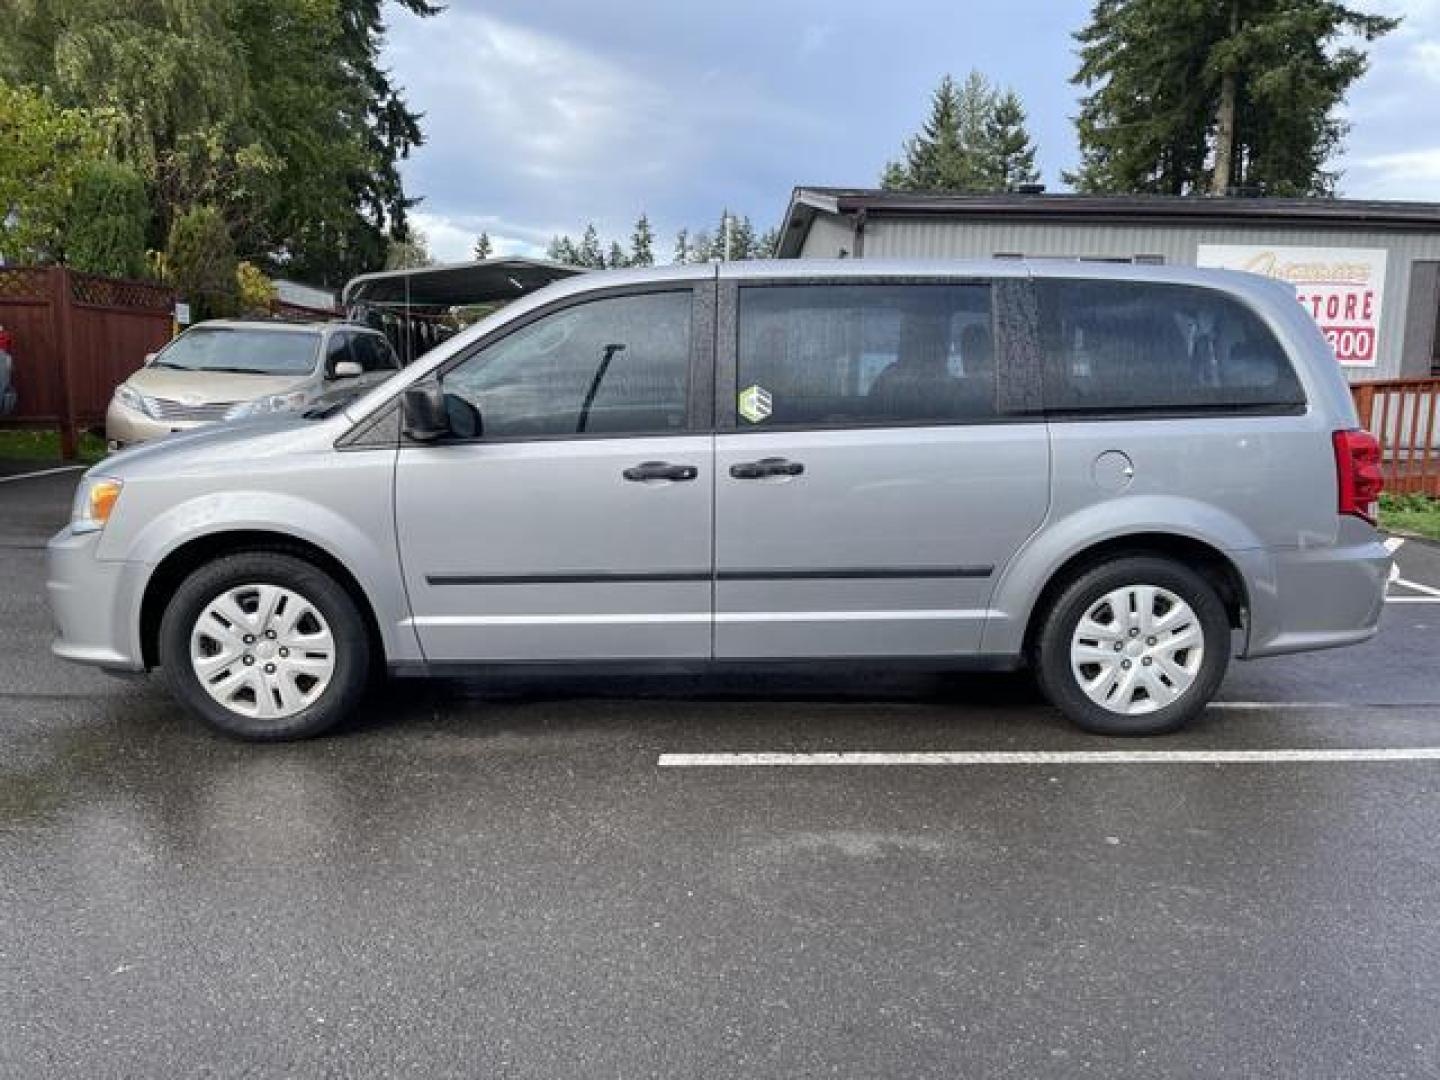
x,y
1137,646
264,646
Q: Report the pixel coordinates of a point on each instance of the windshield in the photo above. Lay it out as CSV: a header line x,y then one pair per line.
x,y
253,352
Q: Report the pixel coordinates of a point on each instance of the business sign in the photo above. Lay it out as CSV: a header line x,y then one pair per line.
x,y
1340,287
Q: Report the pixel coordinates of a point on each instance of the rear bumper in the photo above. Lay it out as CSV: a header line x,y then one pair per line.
x,y
1316,598
96,604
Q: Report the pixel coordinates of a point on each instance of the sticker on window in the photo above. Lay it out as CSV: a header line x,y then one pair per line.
x,y
755,403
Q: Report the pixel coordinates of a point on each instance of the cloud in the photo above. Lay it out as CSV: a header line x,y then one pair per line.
x,y
452,239
551,126
536,106
1406,174
1382,159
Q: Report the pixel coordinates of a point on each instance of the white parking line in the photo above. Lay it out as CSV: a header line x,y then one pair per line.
x,y
1043,757
41,472
1429,594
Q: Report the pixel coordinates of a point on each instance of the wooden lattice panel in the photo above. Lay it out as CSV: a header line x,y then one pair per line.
x,y
23,283
112,292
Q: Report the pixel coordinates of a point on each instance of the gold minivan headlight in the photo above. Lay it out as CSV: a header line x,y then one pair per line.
x,y
95,501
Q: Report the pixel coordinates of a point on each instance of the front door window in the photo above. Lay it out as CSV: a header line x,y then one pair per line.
x,y
616,366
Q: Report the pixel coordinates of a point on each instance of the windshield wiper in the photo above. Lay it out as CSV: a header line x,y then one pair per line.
x,y
239,371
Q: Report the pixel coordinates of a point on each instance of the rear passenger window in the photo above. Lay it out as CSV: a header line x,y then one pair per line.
x,y
864,354
1120,346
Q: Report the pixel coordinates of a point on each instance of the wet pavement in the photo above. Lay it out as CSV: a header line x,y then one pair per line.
x,y
500,880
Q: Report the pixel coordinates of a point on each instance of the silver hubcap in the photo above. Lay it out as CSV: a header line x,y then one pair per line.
x,y
263,651
1137,649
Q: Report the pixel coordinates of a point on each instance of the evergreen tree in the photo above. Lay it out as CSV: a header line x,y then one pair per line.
x,y
702,248
642,242
590,254
1009,153
1185,98
974,140
734,239
200,258
682,253
616,260
482,247
768,245
562,250
108,215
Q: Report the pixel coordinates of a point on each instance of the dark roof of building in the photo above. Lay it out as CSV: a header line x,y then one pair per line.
x,y
806,203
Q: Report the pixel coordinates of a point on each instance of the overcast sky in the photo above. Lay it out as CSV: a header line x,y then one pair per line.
x,y
541,116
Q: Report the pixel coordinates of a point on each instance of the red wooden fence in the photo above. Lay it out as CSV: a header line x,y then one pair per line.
x,y
1402,414
76,337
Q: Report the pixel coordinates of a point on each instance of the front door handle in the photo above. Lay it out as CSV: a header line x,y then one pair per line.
x,y
770,466
660,470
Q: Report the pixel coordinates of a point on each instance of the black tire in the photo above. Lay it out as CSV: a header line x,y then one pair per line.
x,y
348,679
1052,659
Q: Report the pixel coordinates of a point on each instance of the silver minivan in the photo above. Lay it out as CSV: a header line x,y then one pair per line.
x,y
1120,476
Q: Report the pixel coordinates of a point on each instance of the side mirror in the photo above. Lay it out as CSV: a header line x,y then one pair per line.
x,y
347,369
422,412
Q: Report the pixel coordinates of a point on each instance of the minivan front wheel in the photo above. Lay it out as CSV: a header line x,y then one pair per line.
x,y
264,646
1137,646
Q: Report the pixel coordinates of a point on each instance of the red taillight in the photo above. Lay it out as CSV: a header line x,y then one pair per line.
x,y
1357,468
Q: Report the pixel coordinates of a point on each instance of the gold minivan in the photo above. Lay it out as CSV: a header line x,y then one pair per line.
x,y
227,369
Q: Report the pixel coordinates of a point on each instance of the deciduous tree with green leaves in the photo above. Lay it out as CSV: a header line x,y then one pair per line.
x,y
44,150
1216,97
410,253
276,112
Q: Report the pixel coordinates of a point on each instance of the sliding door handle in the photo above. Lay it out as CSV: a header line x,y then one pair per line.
x,y
660,470
770,466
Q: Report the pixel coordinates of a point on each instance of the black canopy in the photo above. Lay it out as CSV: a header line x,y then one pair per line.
x,y
455,285
418,309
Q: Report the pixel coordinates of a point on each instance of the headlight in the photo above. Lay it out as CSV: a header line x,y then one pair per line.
x,y
133,399
274,403
95,501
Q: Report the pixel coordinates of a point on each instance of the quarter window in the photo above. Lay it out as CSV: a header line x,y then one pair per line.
x,y
614,366
864,354
1120,346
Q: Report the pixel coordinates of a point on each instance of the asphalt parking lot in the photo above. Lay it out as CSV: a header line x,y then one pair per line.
x,y
506,881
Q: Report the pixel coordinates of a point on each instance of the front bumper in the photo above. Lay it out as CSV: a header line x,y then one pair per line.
x,y
96,604
125,426
1317,598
